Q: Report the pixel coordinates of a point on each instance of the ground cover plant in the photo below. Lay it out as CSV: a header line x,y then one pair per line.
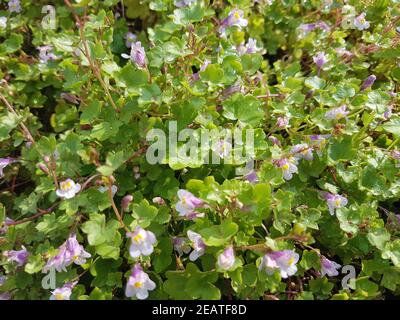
x,y
111,111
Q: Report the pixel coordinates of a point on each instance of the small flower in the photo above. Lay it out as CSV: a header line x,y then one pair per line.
x,y
75,252
368,82
282,122
18,256
288,165
302,151
180,245
335,201
68,189
139,284
5,296
320,59
14,6
130,38
274,140
45,54
3,22
252,177
203,67
6,223
125,202
223,148
226,259
142,242
234,18
337,113
329,267
396,155
198,244
249,48
187,202
138,55
285,261
4,162
360,22
63,293
158,200
184,3
69,252
388,113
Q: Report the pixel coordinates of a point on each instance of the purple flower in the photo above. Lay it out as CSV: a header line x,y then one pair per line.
x,y
158,200
282,122
320,59
329,267
335,201
274,140
198,244
14,6
223,148
396,155
137,56
305,28
69,252
388,113
226,259
249,48
5,296
180,245
139,284
234,18
360,22
46,54
6,223
368,82
63,293
252,177
18,256
125,202
196,76
302,151
142,242
337,113
4,162
130,38
68,189
288,166
285,261
187,203
104,189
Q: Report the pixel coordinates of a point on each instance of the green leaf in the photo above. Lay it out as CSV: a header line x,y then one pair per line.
x,y
220,234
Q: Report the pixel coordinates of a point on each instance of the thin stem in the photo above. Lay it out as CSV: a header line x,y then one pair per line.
x,y
110,195
24,128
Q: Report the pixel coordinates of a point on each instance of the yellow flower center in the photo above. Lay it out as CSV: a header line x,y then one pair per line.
x,y
138,284
236,15
66,185
137,238
339,116
59,296
290,261
338,202
285,166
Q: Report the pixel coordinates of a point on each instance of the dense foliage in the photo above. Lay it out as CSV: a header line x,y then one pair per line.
x,y
84,82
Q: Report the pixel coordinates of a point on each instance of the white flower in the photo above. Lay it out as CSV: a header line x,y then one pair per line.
x,y
284,260
360,23
68,189
3,22
139,284
199,246
103,189
142,242
226,259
